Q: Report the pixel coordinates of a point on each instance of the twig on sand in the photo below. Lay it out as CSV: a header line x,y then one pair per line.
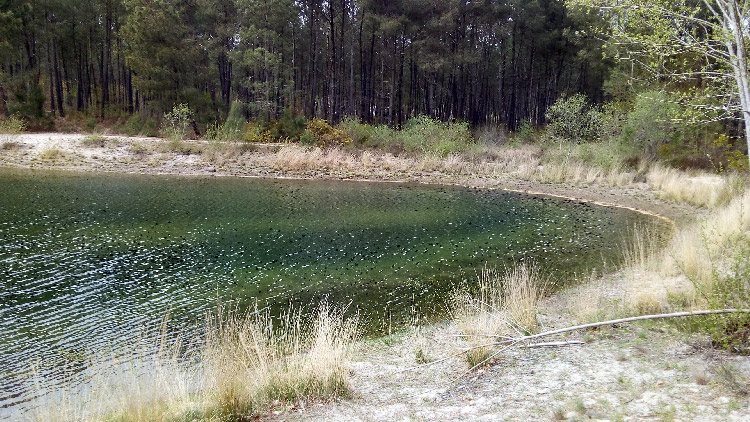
x,y
512,341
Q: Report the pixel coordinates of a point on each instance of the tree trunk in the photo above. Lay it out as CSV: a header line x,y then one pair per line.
x,y
3,102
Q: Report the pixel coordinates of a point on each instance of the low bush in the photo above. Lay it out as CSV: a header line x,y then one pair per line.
x,y
12,125
574,119
420,134
325,135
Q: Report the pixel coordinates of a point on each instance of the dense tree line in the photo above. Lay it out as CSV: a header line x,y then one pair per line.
x,y
499,61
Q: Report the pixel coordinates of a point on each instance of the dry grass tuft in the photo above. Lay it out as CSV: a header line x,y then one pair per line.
x,y
51,154
505,303
701,189
248,365
11,145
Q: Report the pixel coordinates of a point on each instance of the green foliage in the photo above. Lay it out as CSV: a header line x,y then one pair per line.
x,y
257,132
420,135
651,122
28,101
290,126
133,126
177,122
13,125
326,135
232,129
727,156
574,119
525,132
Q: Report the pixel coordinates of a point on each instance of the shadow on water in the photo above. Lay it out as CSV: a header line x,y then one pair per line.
x,y
86,259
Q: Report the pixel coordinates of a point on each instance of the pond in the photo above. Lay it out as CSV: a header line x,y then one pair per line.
x,y
85,259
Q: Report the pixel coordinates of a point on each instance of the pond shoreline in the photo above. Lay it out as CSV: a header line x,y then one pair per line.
x,y
630,373
55,151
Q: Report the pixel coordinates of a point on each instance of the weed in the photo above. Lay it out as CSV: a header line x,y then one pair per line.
x,y
728,376
177,122
700,376
138,149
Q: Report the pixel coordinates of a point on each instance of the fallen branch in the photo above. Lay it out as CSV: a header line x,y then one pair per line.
x,y
509,342
552,344
633,319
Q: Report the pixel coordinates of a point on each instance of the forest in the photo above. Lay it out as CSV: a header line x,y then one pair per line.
x,y
502,63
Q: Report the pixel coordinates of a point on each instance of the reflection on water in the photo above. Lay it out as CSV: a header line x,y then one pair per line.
x,y
86,260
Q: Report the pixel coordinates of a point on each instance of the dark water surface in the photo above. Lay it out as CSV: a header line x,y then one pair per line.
x,y
85,259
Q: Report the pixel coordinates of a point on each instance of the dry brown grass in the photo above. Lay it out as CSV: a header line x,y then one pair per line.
x,y
504,303
698,249
51,154
248,365
701,189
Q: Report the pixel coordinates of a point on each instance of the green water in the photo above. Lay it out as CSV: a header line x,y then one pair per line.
x,y
86,259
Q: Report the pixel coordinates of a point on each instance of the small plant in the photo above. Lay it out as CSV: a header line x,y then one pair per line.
x,y
13,125
421,357
177,122
137,149
730,378
257,134
480,356
98,141
51,154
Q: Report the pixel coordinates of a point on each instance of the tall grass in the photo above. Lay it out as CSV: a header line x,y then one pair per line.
x,y
247,365
504,304
701,189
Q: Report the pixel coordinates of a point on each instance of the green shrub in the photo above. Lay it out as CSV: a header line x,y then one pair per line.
x,y
290,126
256,132
360,133
574,119
650,124
28,101
91,123
525,133
177,122
133,126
